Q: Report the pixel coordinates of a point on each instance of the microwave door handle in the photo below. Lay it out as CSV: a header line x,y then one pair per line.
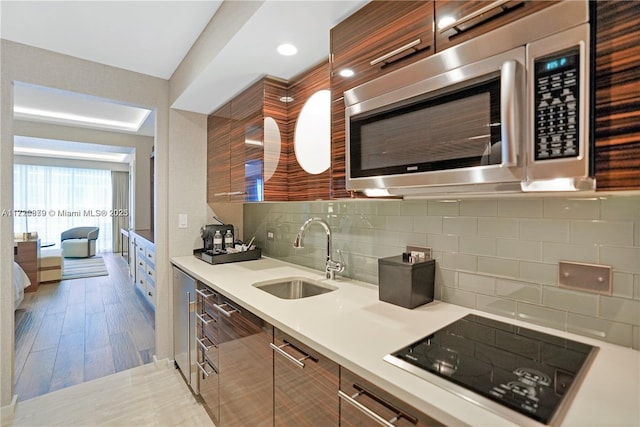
x,y
509,113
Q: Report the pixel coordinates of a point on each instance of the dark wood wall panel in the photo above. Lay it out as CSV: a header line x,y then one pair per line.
x,y
275,189
617,106
302,185
218,133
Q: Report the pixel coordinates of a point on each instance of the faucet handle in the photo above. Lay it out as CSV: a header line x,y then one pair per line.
x,y
340,264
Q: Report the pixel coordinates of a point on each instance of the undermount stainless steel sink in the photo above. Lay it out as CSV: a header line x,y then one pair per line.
x,y
294,287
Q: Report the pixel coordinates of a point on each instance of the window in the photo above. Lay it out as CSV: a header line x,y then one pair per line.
x,y
56,199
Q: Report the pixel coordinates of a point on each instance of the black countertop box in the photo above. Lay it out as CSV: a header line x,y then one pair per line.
x,y
405,284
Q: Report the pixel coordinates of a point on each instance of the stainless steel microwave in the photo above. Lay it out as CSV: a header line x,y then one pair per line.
x,y
504,112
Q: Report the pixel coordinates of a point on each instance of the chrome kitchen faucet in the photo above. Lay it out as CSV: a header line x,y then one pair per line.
x,y
331,266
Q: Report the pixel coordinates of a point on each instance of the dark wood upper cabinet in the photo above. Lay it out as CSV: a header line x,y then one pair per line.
x,y
617,103
236,146
379,38
459,21
303,185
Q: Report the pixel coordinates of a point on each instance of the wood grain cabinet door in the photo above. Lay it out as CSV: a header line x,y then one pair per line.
x,y
246,367
459,21
617,104
305,385
363,404
219,154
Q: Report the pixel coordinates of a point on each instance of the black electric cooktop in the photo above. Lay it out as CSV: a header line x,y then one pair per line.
x,y
528,371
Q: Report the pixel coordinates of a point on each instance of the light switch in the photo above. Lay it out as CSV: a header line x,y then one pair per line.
x,y
182,220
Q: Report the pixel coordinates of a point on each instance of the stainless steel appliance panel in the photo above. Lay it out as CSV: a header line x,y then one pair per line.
x,y
184,291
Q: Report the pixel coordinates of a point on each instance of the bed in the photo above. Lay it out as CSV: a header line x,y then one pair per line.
x,y
20,282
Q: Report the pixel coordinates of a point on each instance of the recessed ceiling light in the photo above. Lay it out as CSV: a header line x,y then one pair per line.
x,y
287,49
346,72
286,99
108,157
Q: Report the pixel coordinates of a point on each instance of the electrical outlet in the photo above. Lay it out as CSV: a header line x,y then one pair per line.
x,y
270,236
585,277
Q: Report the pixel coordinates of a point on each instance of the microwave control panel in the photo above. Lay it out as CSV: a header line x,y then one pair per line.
x,y
557,100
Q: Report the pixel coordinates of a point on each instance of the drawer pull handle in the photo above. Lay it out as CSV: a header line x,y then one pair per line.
x,y
297,362
394,52
377,418
231,193
205,317
203,367
205,293
225,312
203,344
494,5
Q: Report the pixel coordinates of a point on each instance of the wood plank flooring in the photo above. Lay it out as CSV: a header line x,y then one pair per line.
x,y
73,331
151,395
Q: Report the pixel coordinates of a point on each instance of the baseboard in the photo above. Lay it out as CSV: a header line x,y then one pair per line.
x,y
9,409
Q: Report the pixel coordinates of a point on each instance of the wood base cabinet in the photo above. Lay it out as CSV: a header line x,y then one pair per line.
x,y
305,385
362,404
206,341
246,366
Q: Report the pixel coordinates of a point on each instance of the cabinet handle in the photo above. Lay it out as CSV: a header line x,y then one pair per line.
x,y
225,312
203,345
279,350
496,4
231,193
202,367
205,318
368,412
205,293
394,52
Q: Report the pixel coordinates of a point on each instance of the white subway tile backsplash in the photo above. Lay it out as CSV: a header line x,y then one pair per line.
x,y
427,224
460,225
477,245
545,230
520,208
622,285
588,208
520,291
535,272
519,249
458,297
443,207
443,242
542,315
553,252
498,266
620,310
498,227
477,284
499,306
616,333
496,255
620,258
460,261
571,301
399,223
602,232
488,208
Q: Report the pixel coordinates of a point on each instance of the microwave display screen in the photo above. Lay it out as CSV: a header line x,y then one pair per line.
x,y
557,97
450,131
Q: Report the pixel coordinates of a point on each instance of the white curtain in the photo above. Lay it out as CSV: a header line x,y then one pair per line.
x,y
56,199
120,205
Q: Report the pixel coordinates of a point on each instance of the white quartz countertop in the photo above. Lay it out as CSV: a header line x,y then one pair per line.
x,y
356,330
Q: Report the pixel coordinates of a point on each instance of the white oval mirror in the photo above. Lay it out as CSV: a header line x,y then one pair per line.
x,y
312,143
272,147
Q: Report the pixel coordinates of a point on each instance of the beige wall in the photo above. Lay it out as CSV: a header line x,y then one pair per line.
x,y
142,144
36,66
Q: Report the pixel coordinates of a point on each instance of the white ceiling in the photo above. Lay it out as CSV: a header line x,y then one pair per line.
x,y
152,37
